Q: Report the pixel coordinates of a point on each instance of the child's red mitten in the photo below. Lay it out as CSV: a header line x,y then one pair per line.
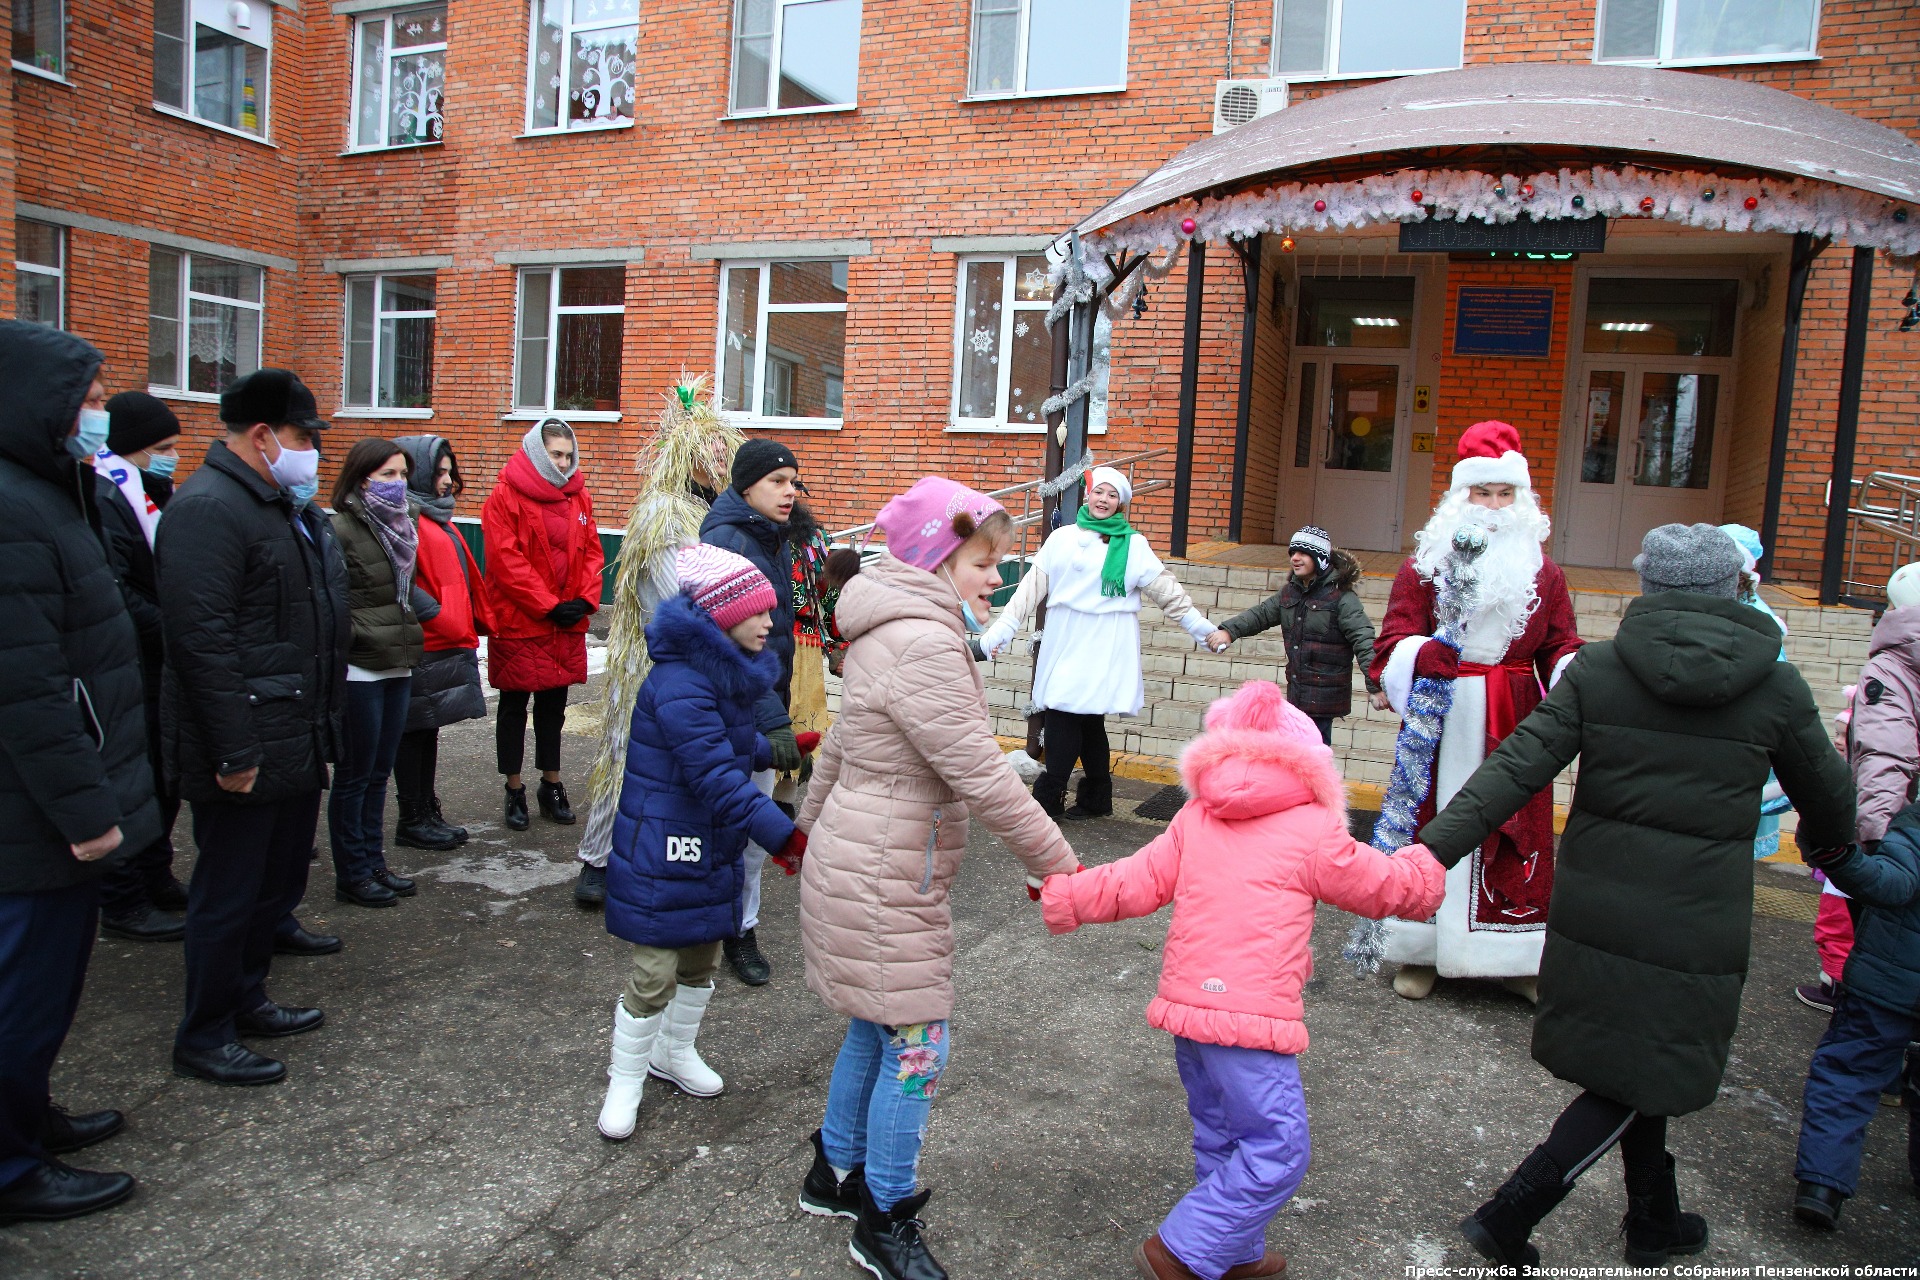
x,y
807,742
790,854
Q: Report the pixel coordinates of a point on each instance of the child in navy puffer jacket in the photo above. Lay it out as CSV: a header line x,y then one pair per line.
x,y
688,806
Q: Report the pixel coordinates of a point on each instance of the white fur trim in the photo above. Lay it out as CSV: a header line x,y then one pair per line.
x,y
1397,677
1560,667
1508,468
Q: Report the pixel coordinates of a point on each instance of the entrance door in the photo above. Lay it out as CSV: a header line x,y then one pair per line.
x,y
1651,438
1347,417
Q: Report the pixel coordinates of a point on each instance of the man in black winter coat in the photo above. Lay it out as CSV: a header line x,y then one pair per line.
x,y
256,630
140,899
74,781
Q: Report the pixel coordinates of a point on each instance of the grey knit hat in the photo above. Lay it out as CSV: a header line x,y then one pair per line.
x,y
1690,557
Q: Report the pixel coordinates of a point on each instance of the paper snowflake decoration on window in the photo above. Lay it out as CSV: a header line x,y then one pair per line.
x,y
981,340
1020,329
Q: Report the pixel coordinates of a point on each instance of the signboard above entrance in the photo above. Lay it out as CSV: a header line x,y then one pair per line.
x,y
1524,235
1503,322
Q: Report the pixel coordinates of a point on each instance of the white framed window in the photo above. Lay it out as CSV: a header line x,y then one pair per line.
x,y
581,64
40,36
1039,47
1692,32
783,341
794,55
389,342
39,272
203,321
400,78
569,337
1002,350
1331,38
211,61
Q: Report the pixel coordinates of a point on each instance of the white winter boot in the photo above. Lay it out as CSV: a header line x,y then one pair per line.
x,y
1415,981
674,1057
633,1044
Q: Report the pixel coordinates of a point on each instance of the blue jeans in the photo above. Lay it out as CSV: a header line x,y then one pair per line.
x,y
357,807
1250,1152
883,1087
1858,1059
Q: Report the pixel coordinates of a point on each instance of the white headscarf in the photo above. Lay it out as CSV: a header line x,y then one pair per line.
x,y
1107,475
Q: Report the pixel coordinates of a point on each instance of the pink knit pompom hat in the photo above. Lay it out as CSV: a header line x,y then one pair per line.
x,y
923,527
1261,706
724,586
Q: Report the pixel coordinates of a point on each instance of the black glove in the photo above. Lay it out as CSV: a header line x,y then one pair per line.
x,y
1824,857
786,750
568,612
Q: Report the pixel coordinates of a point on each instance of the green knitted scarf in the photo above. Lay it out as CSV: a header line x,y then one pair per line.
x,y
1113,574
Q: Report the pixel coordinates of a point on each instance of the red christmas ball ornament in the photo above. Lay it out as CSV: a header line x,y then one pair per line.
x,y
1416,195
1646,204
1752,202
1286,244
1187,226
1319,206
1526,191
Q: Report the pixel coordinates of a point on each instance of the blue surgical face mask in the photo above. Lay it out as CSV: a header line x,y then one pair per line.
x,y
303,493
971,623
92,436
162,464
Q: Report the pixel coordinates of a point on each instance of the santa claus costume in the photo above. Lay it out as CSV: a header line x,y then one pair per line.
x,y
1516,638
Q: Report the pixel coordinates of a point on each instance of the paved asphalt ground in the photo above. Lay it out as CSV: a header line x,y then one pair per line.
x,y
441,1124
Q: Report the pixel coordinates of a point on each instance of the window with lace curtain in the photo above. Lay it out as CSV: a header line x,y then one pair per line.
x,y
400,78
203,321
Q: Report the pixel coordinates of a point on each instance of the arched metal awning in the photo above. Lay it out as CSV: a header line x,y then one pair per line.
x,y
1858,179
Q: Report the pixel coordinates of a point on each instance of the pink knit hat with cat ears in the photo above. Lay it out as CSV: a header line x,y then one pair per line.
x,y
1261,706
923,526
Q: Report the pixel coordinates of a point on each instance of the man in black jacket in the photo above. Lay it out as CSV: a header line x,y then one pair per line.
x,y
140,899
256,633
74,781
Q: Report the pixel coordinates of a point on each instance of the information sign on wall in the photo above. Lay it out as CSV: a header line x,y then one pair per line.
x,y
1504,322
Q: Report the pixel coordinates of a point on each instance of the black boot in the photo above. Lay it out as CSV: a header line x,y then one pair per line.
x,y
516,817
1818,1205
887,1242
1051,795
552,797
145,924
439,816
1093,800
419,829
167,893
743,953
1654,1226
590,890
1498,1229
827,1195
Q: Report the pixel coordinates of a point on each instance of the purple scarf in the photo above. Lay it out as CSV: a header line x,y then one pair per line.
x,y
385,504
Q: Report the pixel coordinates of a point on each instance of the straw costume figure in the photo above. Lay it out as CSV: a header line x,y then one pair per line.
x,y
681,467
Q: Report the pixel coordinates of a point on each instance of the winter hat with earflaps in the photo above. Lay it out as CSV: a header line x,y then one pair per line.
x,y
724,586
1690,557
924,525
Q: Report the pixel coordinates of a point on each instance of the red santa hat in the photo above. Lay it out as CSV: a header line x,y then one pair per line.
x,y
1490,454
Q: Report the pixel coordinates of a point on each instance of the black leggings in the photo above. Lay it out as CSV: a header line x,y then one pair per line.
x,y
510,729
1591,1124
414,767
1072,737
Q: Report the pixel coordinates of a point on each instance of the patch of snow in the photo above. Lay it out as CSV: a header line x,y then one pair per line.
x,y
1426,1253
512,874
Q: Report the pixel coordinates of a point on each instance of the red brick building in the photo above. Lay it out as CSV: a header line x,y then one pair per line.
x,y
463,217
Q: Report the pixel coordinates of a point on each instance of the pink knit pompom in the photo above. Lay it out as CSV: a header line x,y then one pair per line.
x,y
1261,706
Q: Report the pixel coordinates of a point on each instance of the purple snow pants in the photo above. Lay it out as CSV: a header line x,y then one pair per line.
x,y
1249,1153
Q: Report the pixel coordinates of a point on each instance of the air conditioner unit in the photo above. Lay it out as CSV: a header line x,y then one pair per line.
x,y
1235,102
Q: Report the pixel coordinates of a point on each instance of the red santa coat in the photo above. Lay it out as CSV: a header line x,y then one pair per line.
x,y
1493,921
542,548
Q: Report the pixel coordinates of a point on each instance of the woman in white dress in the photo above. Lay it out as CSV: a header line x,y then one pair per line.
x,y
1092,574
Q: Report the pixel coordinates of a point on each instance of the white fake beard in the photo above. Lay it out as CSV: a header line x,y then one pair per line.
x,y
1509,567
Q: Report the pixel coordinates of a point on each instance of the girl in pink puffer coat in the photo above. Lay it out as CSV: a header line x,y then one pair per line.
x,y
1262,841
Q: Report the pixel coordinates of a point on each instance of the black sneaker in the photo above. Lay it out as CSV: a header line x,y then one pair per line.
x,y
743,954
825,1195
1816,995
590,890
888,1242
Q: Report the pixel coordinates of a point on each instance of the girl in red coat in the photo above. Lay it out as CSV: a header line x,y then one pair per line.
x,y
543,580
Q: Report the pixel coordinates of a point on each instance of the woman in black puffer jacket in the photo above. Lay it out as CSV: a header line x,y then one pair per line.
x,y
373,521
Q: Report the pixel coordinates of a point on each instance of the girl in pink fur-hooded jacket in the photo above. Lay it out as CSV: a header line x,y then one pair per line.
x,y
1261,842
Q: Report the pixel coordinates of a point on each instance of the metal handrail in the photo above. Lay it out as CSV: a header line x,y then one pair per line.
x,y
1032,504
1887,504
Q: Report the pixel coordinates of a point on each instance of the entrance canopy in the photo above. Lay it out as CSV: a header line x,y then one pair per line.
x,y
1541,140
